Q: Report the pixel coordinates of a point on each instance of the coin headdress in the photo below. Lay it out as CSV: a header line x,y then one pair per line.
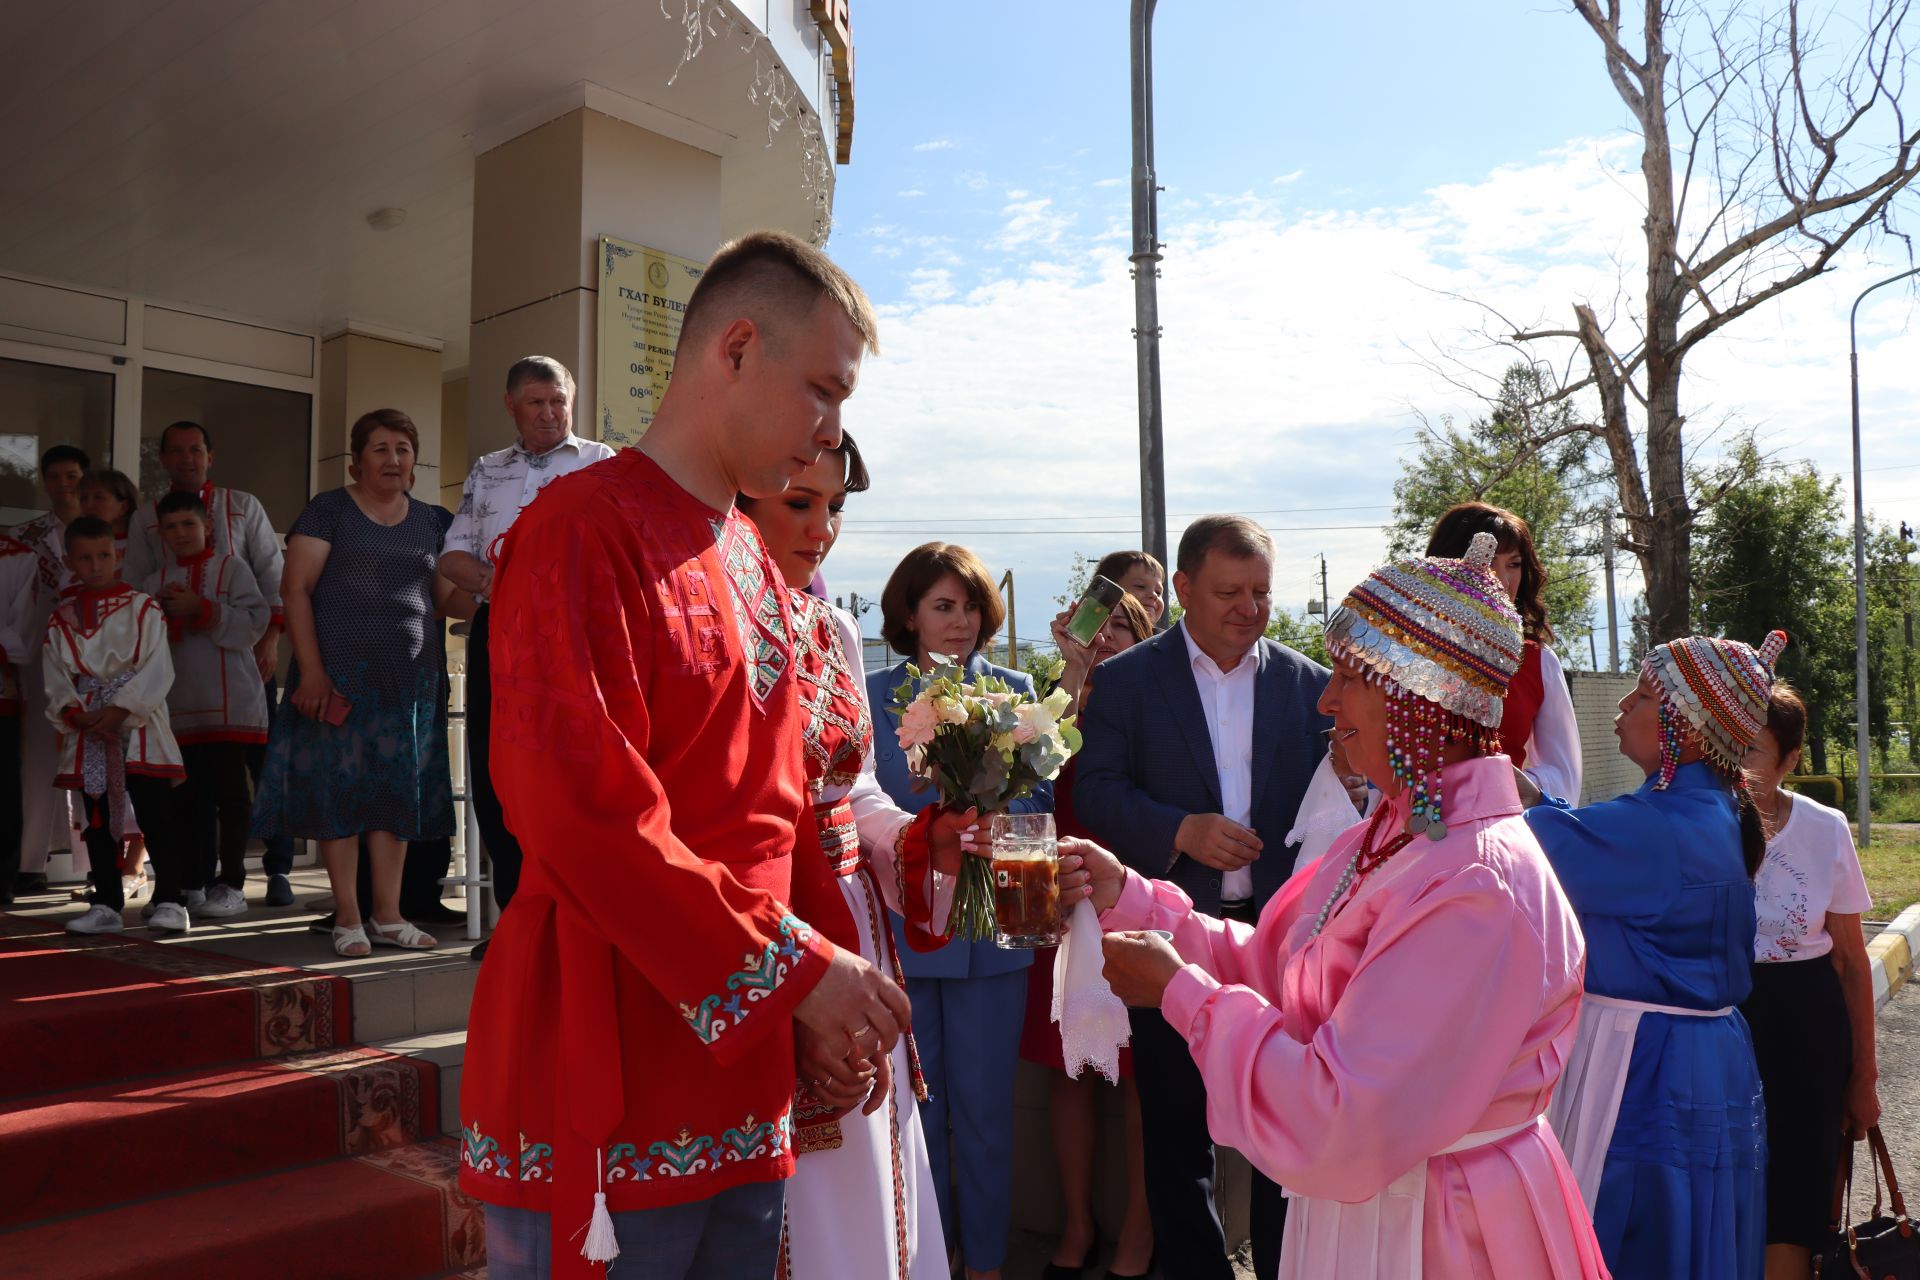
x,y
1443,640
1715,690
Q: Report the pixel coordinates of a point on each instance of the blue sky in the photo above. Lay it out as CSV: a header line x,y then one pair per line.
x,y
1326,174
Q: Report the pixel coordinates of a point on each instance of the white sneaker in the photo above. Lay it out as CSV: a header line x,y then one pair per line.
x,y
195,897
222,900
172,917
98,919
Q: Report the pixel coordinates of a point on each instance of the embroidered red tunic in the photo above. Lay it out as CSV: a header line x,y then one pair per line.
x,y
1525,692
633,1021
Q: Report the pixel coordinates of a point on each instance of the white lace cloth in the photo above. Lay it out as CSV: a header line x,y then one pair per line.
x,y
1092,1020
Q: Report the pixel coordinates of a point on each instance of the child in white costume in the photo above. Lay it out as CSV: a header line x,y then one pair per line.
x,y
107,670
218,707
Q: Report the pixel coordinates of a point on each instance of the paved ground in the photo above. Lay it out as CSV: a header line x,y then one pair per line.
x,y
1898,1036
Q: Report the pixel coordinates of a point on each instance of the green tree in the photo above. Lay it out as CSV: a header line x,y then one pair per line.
x,y
1298,629
1773,553
1494,459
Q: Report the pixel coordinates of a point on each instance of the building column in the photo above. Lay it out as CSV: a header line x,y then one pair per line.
x,y
541,202
358,374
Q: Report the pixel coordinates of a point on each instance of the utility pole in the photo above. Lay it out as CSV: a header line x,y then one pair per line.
x,y
1863,739
1325,604
1146,296
1607,548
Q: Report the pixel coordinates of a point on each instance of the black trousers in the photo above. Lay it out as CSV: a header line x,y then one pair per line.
x,y
11,815
277,860
1187,1234
152,800
501,846
211,811
420,875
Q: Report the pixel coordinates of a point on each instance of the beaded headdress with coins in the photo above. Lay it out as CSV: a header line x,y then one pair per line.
x,y
1715,690
1443,640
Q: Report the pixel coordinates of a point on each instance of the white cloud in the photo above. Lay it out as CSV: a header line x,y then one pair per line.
x,y
1031,223
912,193
1286,178
1111,182
1005,399
935,144
972,179
930,284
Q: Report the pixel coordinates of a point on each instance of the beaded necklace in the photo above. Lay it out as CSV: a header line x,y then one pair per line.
x,y
1365,860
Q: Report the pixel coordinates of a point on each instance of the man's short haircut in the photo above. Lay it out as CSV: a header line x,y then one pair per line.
x,y
182,500
774,280
538,369
1237,536
206,436
88,527
918,573
64,453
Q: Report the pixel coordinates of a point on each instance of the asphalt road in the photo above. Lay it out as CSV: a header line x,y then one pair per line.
x,y
1897,1035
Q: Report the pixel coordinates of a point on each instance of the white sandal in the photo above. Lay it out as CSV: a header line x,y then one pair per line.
x,y
344,938
402,935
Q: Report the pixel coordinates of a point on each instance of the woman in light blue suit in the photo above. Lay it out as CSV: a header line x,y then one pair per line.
x,y
968,997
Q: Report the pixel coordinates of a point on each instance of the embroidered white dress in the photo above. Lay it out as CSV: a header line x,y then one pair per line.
x,y
861,1200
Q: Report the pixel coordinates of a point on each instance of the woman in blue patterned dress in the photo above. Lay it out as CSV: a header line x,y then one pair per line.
x,y
367,751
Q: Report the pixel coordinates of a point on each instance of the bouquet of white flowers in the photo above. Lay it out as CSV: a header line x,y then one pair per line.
x,y
981,744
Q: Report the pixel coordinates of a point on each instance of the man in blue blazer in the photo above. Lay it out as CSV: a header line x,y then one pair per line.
x,y
969,1002
1199,750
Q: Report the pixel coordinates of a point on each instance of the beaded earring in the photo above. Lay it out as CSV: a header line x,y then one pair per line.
x,y
1670,735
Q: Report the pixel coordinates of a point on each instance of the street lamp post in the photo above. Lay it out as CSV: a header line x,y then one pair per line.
x,y
1862,736
1146,298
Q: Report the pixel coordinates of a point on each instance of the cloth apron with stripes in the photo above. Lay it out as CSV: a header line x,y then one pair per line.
x,y
1586,1106
1378,1237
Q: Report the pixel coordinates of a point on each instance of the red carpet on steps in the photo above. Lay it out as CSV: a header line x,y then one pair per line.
x,y
167,1113
78,1010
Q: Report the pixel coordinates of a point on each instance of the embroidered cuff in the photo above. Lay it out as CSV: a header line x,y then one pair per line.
x,y
1186,991
277,619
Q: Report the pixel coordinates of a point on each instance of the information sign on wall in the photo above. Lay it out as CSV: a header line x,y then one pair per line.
x,y
643,295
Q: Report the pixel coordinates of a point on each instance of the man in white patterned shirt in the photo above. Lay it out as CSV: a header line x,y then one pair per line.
x,y
501,484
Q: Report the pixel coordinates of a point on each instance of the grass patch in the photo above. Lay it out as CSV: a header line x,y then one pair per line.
x,y
1893,869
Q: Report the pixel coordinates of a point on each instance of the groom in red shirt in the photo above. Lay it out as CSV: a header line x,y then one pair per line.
x,y
630,1059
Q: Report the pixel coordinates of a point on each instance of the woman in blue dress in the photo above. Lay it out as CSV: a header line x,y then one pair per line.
x,y
1660,1109
366,748
969,998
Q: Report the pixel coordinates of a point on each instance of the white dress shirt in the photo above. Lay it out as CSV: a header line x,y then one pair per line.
x,y
1553,753
1227,699
501,485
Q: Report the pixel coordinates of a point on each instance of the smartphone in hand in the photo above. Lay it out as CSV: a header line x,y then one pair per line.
x,y
335,709
1102,596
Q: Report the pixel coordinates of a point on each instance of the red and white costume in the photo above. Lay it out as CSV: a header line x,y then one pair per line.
x,y
217,695
18,566
633,1024
861,1202
240,528
108,648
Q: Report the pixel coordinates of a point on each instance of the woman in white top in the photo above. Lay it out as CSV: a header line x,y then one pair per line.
x,y
1811,1010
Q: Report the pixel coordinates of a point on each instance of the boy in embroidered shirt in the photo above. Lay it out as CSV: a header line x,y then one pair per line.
x,y
215,615
107,672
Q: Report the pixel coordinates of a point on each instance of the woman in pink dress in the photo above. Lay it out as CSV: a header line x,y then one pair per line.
x,y
1384,1043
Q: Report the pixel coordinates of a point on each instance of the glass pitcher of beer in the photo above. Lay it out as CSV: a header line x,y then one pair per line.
x,y
1026,880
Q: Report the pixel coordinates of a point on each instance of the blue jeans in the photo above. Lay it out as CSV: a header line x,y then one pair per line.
x,y
734,1235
